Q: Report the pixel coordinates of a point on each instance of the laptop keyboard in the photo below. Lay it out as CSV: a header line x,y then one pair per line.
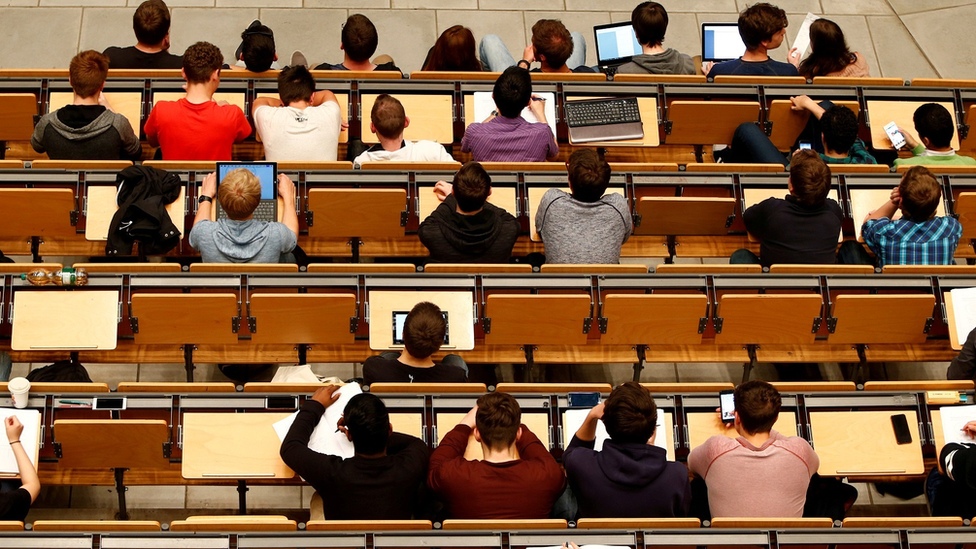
x,y
265,211
601,112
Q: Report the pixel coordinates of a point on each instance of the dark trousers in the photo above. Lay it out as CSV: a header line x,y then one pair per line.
x,y
750,145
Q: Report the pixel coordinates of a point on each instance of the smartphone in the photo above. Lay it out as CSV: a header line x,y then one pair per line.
x,y
900,424
897,139
804,146
583,399
114,403
726,401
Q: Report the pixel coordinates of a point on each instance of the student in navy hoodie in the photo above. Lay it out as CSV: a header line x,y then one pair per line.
x,y
630,477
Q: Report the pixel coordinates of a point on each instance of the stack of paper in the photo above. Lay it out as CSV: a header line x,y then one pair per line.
x,y
325,439
953,420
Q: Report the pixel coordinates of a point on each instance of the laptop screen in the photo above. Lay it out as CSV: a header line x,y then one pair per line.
x,y
616,43
721,42
266,172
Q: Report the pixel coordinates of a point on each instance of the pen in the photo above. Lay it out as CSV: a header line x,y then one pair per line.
x,y
74,402
537,98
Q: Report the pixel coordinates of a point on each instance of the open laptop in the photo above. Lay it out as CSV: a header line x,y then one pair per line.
x,y
616,44
400,319
267,173
721,42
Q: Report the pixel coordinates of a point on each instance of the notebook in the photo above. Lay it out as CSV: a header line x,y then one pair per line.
x,y
721,42
325,438
267,173
616,44
576,416
954,418
29,439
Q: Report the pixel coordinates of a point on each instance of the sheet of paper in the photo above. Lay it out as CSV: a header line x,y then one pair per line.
x,y
325,439
576,416
953,420
963,312
31,420
294,374
484,104
802,42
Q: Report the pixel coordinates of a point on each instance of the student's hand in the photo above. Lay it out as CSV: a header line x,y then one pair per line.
x,y
707,67
344,125
794,58
802,103
910,142
970,429
326,395
442,190
15,428
571,545
895,197
103,101
209,187
286,188
538,108
596,412
469,418
529,53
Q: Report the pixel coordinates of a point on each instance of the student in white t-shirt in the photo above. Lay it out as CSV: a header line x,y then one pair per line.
x,y
387,121
303,125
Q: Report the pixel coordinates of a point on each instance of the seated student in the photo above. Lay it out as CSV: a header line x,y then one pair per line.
x,y
239,238
15,503
257,50
423,334
303,125
505,136
774,470
151,25
384,480
804,227
87,129
359,41
964,365
453,51
829,54
552,45
387,120
650,21
951,488
465,227
196,127
831,131
919,237
518,477
762,28
586,226
630,477
934,126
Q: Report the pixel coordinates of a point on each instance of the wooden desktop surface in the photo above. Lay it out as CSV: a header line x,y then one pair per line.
x,y
535,197
755,195
503,197
648,113
408,424
457,304
703,425
233,446
537,422
431,116
863,201
128,104
50,320
862,443
102,207
881,112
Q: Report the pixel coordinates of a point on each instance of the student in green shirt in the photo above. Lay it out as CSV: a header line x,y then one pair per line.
x,y
935,129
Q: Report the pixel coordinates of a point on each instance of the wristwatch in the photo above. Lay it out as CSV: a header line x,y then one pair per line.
x,y
204,198
527,64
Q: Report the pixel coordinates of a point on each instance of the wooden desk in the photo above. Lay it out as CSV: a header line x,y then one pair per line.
x,y
102,207
755,195
234,98
342,98
232,446
431,116
881,112
503,197
408,424
863,201
703,425
128,104
17,112
538,423
48,320
862,443
535,197
648,113
458,305
36,212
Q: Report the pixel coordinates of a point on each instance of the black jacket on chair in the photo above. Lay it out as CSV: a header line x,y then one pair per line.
x,y
143,195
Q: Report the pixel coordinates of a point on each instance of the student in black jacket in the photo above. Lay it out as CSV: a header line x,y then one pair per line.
x,y
384,480
465,227
423,334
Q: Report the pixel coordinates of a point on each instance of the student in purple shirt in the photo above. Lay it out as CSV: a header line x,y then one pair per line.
x,y
506,136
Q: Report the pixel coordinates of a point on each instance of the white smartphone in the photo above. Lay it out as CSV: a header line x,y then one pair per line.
x,y
726,401
804,146
897,139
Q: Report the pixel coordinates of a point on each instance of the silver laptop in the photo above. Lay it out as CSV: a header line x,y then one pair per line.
x,y
721,42
267,173
616,44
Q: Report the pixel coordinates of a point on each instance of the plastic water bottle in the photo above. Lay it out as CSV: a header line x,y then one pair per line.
x,y
38,277
65,277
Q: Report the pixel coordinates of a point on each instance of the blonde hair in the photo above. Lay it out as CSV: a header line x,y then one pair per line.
x,y
239,193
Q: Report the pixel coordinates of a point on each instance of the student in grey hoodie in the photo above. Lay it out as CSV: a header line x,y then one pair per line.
x,y
650,22
465,227
87,129
239,238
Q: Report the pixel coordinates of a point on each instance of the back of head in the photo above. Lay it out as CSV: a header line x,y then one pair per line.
x,y
200,61
552,41
650,21
758,404
87,72
388,116
368,422
424,330
934,122
498,419
258,48
759,22
630,414
829,52
239,193
512,91
840,127
151,22
359,38
589,175
472,185
295,83
810,177
454,51
920,193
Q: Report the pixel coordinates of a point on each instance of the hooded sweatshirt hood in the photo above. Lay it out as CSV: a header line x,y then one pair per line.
x,y
469,234
70,122
670,61
487,236
631,464
240,240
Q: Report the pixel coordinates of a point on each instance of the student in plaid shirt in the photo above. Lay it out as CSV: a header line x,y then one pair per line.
x,y
919,237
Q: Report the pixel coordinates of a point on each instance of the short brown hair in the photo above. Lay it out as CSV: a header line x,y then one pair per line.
x,y
589,175
87,72
810,177
759,22
200,61
551,39
359,37
388,116
920,193
151,22
498,419
239,193
758,404
630,414
650,21
424,329
472,185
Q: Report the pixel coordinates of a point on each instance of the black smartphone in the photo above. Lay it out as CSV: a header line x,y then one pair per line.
x,y
111,403
583,399
900,424
726,401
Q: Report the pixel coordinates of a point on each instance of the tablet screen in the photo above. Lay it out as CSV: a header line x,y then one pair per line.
x,y
400,318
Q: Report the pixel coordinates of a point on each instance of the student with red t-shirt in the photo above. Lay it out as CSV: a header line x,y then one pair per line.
x,y
197,127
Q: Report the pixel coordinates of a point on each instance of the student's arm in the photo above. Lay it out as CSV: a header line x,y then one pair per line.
x,y
540,213
28,476
587,431
887,209
38,135
208,188
286,190
294,449
131,147
323,96
243,126
910,143
531,449
152,132
451,447
964,365
264,102
804,103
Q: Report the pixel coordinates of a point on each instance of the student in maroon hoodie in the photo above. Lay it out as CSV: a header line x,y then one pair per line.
x,y
630,477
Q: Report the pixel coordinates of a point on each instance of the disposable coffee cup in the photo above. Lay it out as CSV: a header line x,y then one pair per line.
x,y
19,388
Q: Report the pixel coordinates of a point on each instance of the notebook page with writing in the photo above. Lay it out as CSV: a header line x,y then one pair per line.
x,y
30,439
953,420
325,439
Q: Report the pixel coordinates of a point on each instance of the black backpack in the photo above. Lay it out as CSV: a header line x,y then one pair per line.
x,y
63,371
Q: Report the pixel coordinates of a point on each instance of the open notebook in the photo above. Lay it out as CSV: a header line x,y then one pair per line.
x,y
325,439
576,416
29,439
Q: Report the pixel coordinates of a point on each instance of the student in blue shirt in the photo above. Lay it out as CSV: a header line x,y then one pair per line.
x,y
762,28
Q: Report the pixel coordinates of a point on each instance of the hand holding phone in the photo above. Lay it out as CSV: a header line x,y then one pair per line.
x,y
896,137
